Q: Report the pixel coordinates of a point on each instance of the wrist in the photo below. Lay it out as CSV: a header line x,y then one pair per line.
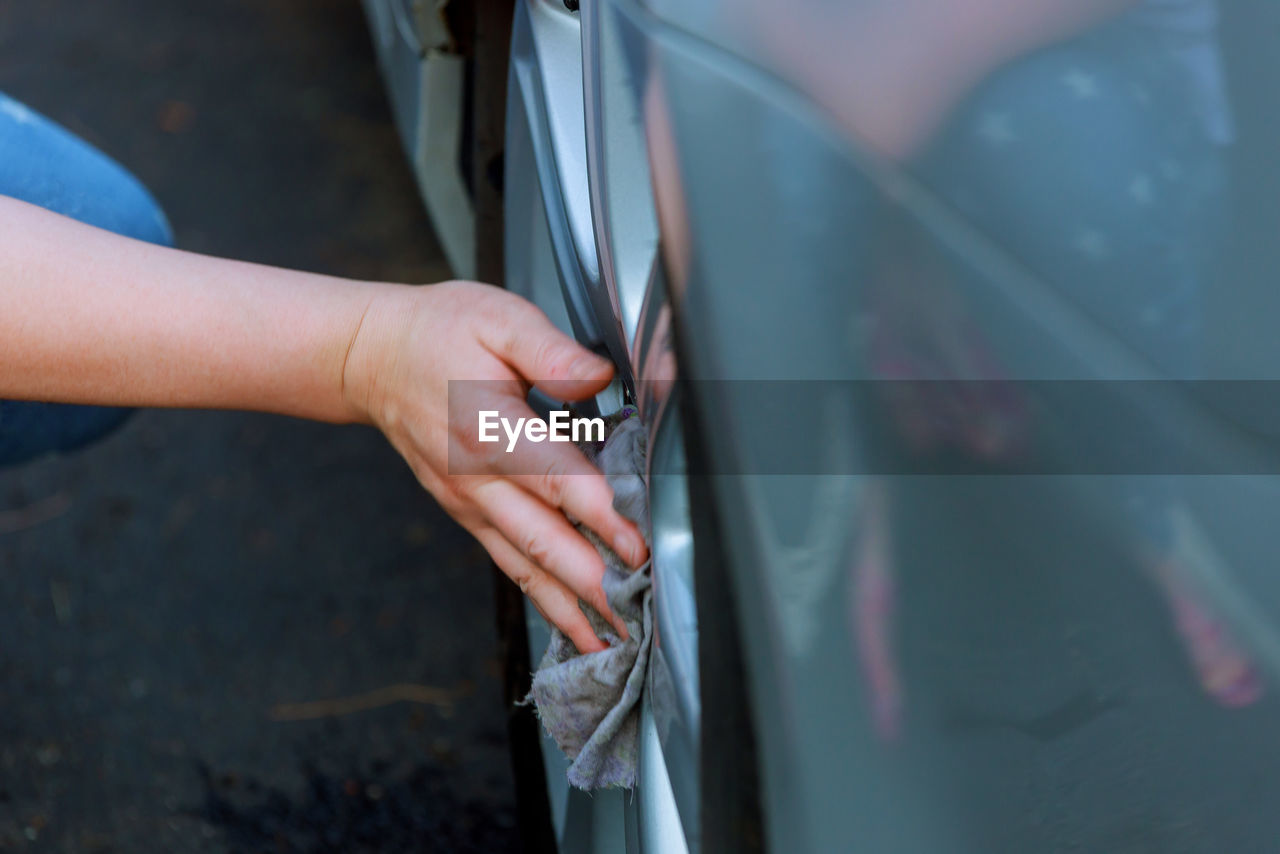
x,y
382,322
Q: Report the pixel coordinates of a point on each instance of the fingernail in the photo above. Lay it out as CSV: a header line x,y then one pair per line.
x,y
598,646
588,365
633,549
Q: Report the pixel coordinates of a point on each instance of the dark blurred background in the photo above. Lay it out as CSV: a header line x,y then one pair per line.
x,y
162,593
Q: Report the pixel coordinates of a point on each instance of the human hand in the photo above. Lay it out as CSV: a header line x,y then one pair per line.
x,y
411,343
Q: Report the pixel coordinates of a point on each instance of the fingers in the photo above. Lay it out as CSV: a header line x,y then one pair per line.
x,y
546,539
552,599
562,477
525,339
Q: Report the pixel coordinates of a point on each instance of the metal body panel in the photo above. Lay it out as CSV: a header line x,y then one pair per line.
x,y
552,258
1017,600
780,206
425,81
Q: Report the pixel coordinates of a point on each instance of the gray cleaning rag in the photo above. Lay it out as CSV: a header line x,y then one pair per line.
x,y
590,704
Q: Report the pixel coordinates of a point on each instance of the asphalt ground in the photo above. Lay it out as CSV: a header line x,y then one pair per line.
x,y
203,619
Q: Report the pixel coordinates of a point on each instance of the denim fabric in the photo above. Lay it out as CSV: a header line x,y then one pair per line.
x,y
44,164
1091,164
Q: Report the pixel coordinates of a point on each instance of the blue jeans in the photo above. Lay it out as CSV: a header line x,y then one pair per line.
x,y
46,165
1088,161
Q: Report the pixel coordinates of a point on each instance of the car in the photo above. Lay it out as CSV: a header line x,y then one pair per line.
x,y
888,292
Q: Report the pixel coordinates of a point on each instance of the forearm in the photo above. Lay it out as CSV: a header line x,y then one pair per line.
x,y
88,316
91,317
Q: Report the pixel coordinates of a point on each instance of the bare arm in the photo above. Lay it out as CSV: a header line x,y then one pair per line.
x,y
88,316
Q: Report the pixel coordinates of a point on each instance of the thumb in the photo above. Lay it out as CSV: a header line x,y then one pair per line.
x,y
541,354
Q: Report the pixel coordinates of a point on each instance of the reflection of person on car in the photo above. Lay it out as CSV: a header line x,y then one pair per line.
x,y
1097,160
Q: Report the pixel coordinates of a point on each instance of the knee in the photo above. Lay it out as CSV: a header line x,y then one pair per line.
x,y
107,195
1072,136
136,212
1071,112
44,164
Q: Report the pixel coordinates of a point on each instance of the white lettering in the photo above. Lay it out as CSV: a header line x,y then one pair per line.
x,y
559,421
512,435
561,427
589,426
488,422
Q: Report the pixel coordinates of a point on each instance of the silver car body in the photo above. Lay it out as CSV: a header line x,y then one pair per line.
x,y
679,172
